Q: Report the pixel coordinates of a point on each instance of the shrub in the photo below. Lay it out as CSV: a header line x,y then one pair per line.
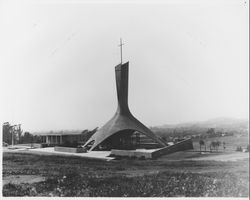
x,y
239,148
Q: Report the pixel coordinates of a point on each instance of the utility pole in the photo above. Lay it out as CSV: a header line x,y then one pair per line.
x,y
12,138
19,133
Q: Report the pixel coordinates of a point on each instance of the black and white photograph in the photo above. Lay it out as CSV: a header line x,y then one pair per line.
x,y
124,98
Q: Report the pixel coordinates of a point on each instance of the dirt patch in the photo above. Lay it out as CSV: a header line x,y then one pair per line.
x,y
18,179
136,173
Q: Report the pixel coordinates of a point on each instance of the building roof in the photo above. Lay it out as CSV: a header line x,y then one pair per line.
x,y
63,132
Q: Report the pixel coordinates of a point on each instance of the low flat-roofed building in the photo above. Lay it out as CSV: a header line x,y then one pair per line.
x,y
62,137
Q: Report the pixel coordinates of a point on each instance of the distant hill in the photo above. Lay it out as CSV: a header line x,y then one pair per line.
x,y
225,123
222,125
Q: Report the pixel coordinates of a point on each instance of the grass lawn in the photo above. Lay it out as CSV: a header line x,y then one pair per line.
x,y
54,175
231,142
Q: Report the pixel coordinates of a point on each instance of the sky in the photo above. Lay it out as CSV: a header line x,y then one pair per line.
x,y
188,61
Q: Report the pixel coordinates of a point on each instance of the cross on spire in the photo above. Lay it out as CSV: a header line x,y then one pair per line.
x,y
120,45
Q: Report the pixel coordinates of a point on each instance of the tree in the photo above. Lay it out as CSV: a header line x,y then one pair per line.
x,y
239,148
211,132
224,145
7,132
201,142
37,139
218,143
88,134
19,133
213,145
27,138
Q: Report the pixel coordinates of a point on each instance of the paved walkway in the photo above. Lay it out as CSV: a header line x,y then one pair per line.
x,y
92,154
225,157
